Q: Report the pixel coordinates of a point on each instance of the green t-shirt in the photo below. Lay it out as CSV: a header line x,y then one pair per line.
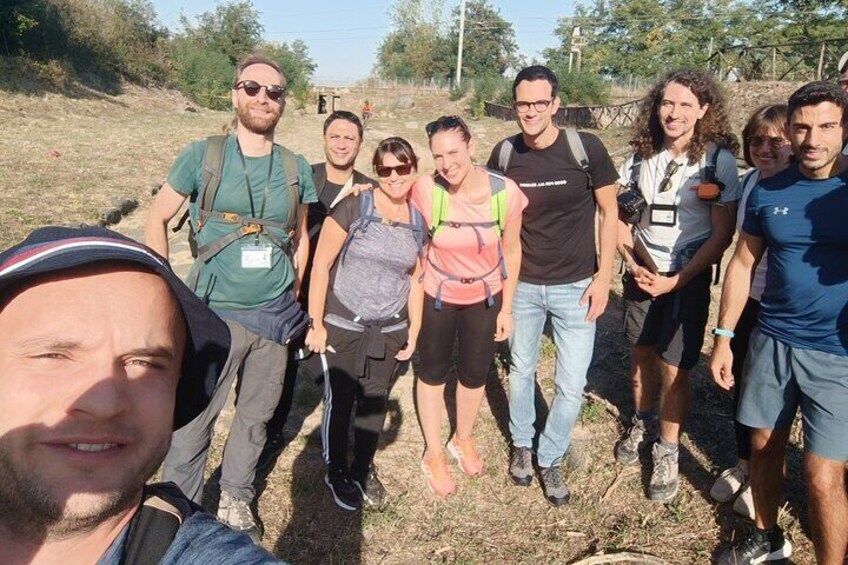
x,y
224,281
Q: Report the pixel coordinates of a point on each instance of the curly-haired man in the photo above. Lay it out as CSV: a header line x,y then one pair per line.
x,y
684,170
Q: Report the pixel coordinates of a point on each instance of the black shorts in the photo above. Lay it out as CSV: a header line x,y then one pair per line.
x,y
674,323
474,325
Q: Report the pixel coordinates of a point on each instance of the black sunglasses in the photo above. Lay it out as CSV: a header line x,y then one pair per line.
x,y
446,123
401,170
670,170
252,88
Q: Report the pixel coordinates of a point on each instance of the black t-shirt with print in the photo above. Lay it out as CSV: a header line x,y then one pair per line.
x,y
558,226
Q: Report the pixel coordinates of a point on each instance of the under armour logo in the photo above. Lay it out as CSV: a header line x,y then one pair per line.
x,y
781,211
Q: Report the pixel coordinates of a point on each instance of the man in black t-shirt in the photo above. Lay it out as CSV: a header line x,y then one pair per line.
x,y
334,180
560,274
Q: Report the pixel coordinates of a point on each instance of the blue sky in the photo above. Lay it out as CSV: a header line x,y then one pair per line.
x,y
343,35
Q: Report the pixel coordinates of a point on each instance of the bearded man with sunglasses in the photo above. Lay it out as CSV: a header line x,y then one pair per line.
x,y
252,255
560,275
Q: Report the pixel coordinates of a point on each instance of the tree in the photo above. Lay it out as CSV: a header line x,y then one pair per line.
x,y
489,46
232,29
415,48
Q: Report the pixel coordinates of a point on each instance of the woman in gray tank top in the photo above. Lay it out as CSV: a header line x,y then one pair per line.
x,y
366,270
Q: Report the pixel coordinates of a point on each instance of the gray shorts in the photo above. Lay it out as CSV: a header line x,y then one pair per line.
x,y
674,323
779,378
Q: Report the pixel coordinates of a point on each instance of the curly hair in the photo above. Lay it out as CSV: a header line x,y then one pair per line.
x,y
714,126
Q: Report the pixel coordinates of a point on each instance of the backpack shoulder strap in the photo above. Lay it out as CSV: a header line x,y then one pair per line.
x,y
578,151
441,202
292,172
213,165
497,184
163,511
635,170
419,228
711,163
506,151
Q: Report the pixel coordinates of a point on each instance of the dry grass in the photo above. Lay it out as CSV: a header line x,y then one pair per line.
x,y
118,146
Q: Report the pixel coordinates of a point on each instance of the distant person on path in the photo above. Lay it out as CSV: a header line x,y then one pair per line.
x,y
469,283
560,275
367,112
798,354
767,150
253,249
334,180
105,352
367,269
684,171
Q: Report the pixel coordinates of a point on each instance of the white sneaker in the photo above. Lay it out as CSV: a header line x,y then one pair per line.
x,y
728,483
744,503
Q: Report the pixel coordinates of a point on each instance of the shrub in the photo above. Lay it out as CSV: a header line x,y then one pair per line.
x,y
205,76
458,91
584,88
487,88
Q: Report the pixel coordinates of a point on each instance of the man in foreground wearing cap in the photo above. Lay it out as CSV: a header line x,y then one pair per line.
x,y
105,352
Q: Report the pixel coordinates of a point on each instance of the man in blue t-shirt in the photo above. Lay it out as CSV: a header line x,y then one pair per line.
x,y
799,354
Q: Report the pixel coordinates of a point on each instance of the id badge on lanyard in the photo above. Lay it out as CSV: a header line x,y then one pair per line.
x,y
256,256
663,214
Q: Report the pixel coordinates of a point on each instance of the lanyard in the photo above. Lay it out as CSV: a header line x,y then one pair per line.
x,y
247,182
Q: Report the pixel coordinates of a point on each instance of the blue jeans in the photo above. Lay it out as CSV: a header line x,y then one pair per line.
x,y
574,338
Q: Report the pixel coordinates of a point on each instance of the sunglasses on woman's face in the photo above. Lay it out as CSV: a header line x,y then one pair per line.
x,y
776,143
401,170
252,88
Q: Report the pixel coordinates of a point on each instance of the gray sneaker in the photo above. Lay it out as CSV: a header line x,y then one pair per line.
x,y
638,437
521,466
556,491
664,480
238,516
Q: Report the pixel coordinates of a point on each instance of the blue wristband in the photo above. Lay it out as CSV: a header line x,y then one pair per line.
x,y
724,333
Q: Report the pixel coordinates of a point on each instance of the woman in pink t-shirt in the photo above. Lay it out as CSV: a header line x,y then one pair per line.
x,y
469,281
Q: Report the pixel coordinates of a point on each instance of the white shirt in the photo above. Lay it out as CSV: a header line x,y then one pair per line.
x,y
693,223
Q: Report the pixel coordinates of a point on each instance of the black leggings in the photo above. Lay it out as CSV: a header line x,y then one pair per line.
x,y
739,346
474,325
343,388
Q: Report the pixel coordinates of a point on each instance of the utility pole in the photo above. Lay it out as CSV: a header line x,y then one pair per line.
x,y
461,38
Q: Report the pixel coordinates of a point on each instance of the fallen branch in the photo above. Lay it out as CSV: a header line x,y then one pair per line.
x,y
627,556
608,406
619,477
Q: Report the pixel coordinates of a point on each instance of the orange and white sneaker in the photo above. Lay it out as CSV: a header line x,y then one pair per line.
x,y
466,455
438,476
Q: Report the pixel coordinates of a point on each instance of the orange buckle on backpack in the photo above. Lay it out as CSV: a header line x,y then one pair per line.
x,y
250,228
230,217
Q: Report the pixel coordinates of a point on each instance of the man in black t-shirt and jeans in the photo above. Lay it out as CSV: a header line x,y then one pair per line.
x,y
334,180
560,274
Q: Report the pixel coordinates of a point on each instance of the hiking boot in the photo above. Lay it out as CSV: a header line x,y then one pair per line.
x,y
345,492
237,514
759,547
744,503
664,479
521,466
273,447
729,482
465,453
556,491
638,437
438,476
373,491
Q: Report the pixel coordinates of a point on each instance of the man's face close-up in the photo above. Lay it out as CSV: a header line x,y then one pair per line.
x,y
89,364
817,134
258,112
341,143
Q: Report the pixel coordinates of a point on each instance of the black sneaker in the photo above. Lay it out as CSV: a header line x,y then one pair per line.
x,y
521,466
345,492
556,491
759,547
372,490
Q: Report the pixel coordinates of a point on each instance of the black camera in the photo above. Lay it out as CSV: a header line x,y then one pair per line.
x,y
630,206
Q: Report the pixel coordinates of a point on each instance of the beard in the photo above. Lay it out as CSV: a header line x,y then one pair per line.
x,y
31,507
256,124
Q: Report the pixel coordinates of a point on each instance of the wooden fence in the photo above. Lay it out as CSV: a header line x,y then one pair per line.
x,y
585,117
